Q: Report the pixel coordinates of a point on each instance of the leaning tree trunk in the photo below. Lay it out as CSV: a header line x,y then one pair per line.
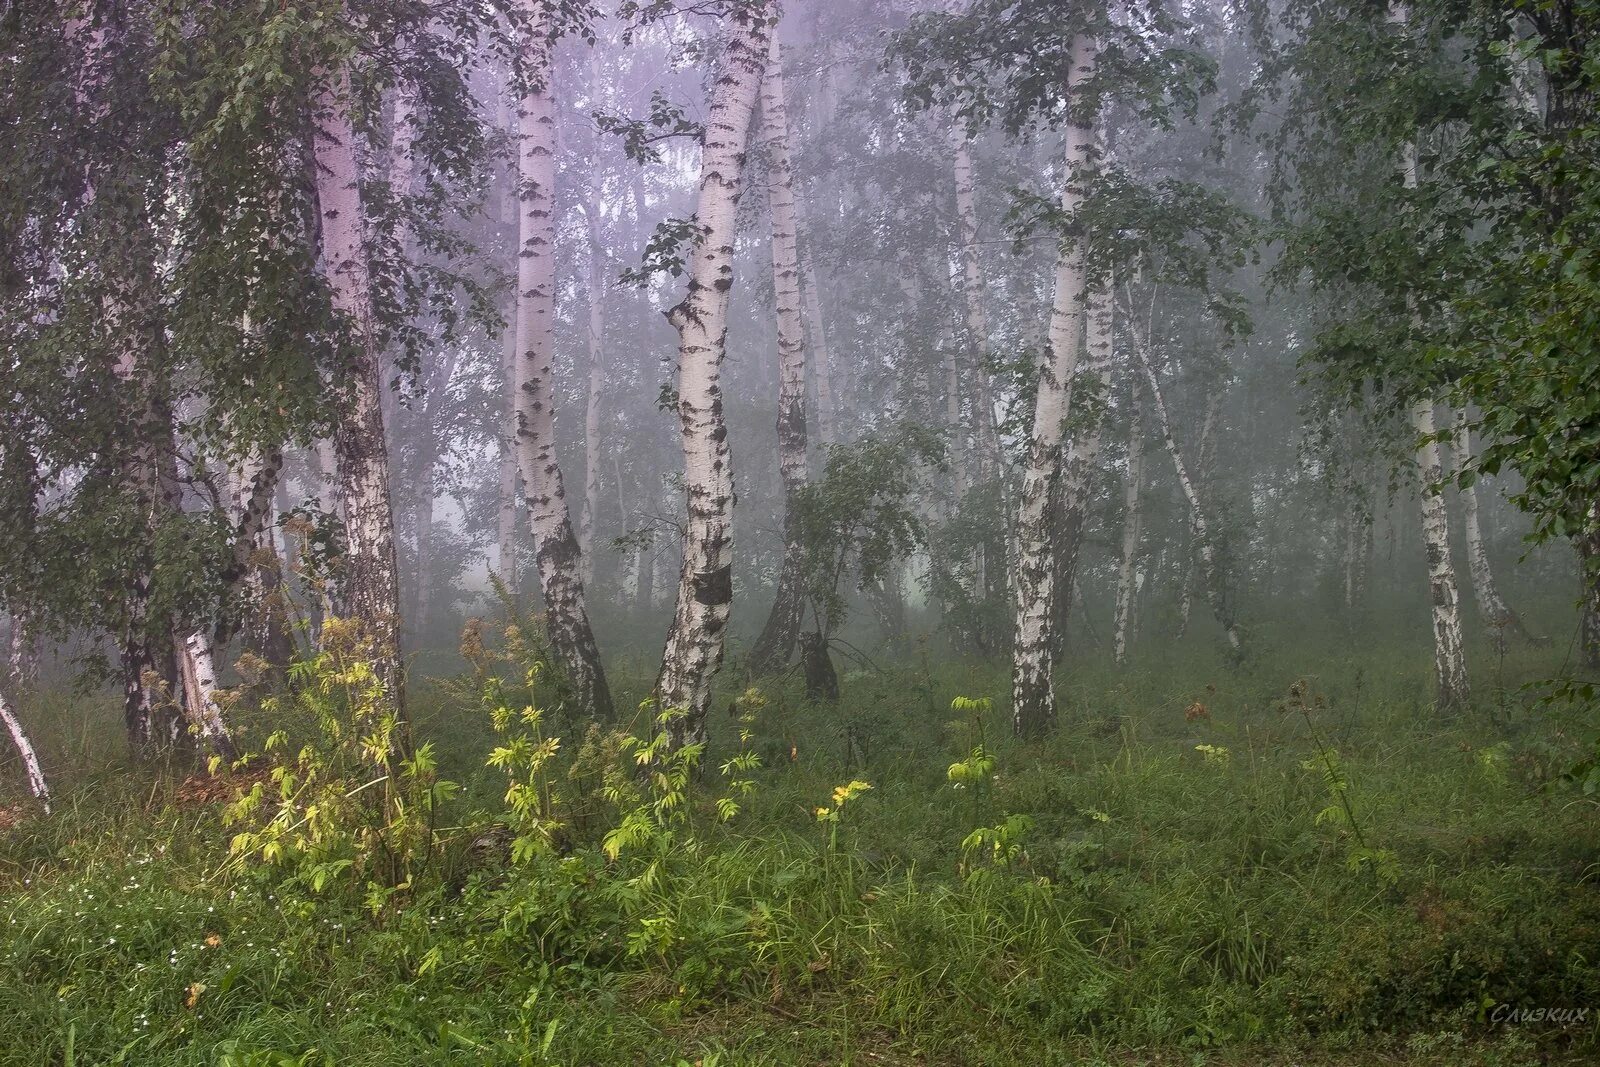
x,y
1449,658
1033,705
1499,618
1208,431
369,586
773,648
1205,547
1128,573
557,555
30,758
695,641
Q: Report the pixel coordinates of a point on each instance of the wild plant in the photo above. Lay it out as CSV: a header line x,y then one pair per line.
x,y
1361,855
343,808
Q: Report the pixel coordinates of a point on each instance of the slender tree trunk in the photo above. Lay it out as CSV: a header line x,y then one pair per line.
x,y
1499,618
773,648
22,653
1205,547
369,585
1082,460
821,357
1033,707
1208,429
506,533
596,393
556,551
695,641
1449,658
30,758
985,434
1132,526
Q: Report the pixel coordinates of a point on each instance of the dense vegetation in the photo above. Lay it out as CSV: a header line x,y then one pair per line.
x,y
1294,862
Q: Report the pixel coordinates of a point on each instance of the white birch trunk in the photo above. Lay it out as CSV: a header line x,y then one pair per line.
x,y
1449,657
782,629
1032,687
201,709
30,758
1082,458
22,654
1499,618
821,358
596,394
1210,573
368,580
557,556
695,641
1207,435
510,480
985,434
1132,527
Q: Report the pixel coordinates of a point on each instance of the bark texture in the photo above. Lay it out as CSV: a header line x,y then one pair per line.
x,y
696,638
30,758
557,555
1032,687
1082,458
1449,657
1500,620
369,586
777,640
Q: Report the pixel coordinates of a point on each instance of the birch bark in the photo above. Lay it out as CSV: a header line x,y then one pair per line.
x,y
695,640
1449,657
986,436
369,582
1499,618
1032,687
1082,458
1210,572
557,555
30,758
1132,527
596,335
777,640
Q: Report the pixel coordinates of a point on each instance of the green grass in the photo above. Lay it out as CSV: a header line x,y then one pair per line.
x,y
1169,905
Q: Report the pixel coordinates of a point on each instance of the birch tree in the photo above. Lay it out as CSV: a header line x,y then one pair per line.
x,y
37,785
773,647
557,555
1497,617
1130,574
1205,547
1032,684
697,635
369,582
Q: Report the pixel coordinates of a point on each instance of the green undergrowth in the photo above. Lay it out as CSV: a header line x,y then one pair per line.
x,y
1293,861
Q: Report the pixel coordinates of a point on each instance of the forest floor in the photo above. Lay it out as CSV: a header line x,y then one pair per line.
x,y
1296,861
